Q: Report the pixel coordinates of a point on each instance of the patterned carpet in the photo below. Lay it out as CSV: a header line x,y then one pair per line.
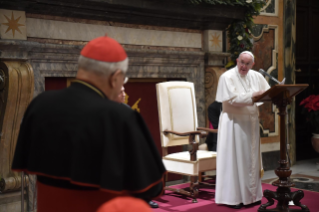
x,y
172,202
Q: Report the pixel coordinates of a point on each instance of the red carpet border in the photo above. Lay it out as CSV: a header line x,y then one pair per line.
x,y
206,201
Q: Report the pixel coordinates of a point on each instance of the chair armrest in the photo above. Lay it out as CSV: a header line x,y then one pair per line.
x,y
207,129
191,140
183,133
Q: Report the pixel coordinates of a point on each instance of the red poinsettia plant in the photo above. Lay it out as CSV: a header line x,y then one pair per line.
x,y
311,107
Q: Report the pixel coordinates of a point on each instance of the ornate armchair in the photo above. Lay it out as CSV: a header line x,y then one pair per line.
x,y
178,126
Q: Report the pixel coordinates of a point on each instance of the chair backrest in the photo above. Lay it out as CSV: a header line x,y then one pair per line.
x,y
177,111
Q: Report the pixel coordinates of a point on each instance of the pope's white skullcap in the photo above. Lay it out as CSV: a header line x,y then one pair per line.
x,y
248,52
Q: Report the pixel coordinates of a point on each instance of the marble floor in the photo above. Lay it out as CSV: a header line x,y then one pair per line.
x,y
303,167
307,169
305,175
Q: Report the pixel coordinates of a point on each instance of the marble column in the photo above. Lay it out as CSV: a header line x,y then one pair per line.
x,y
289,69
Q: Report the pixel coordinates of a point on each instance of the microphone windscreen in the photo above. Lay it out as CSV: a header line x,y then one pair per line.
x,y
262,71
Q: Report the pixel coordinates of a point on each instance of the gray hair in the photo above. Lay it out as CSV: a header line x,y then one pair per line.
x,y
100,67
249,53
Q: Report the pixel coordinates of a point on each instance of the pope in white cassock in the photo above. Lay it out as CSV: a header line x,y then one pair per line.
x,y
239,166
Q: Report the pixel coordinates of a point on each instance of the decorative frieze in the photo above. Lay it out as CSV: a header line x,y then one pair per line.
x,y
61,30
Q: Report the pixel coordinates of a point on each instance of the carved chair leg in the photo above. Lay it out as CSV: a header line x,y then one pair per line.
x,y
194,188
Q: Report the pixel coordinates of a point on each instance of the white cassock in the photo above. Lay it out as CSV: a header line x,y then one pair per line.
x,y
239,164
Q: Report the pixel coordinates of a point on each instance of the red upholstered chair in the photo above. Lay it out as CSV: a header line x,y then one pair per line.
x,y
178,126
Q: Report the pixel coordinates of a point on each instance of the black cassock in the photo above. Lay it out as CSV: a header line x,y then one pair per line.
x,y
77,135
214,110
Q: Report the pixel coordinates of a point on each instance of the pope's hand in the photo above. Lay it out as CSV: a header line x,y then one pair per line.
x,y
257,93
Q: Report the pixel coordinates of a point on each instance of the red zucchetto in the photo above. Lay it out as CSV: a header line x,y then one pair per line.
x,y
104,49
126,203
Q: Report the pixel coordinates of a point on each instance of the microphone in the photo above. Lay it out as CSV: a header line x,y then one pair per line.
x,y
271,77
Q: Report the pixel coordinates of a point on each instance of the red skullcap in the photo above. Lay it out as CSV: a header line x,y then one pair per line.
x,y
104,49
123,204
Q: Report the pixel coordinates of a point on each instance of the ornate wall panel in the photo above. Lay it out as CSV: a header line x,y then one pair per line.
x,y
271,21
16,92
265,50
271,8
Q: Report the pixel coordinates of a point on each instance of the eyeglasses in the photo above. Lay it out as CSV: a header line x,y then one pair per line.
x,y
125,80
244,64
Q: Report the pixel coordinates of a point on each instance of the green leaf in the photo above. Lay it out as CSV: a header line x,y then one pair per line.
x,y
253,9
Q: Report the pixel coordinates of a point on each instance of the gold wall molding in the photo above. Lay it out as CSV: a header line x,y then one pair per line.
x,y
15,96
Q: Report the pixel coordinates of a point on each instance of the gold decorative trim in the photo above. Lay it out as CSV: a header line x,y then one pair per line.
x,y
262,173
90,86
69,80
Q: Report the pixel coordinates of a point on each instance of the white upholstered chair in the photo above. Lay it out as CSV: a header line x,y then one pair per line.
x,y
178,126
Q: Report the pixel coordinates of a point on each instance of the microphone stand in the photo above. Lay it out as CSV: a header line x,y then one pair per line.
x,y
271,77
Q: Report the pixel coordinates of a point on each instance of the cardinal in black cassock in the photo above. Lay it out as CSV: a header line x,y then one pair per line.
x,y
85,148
